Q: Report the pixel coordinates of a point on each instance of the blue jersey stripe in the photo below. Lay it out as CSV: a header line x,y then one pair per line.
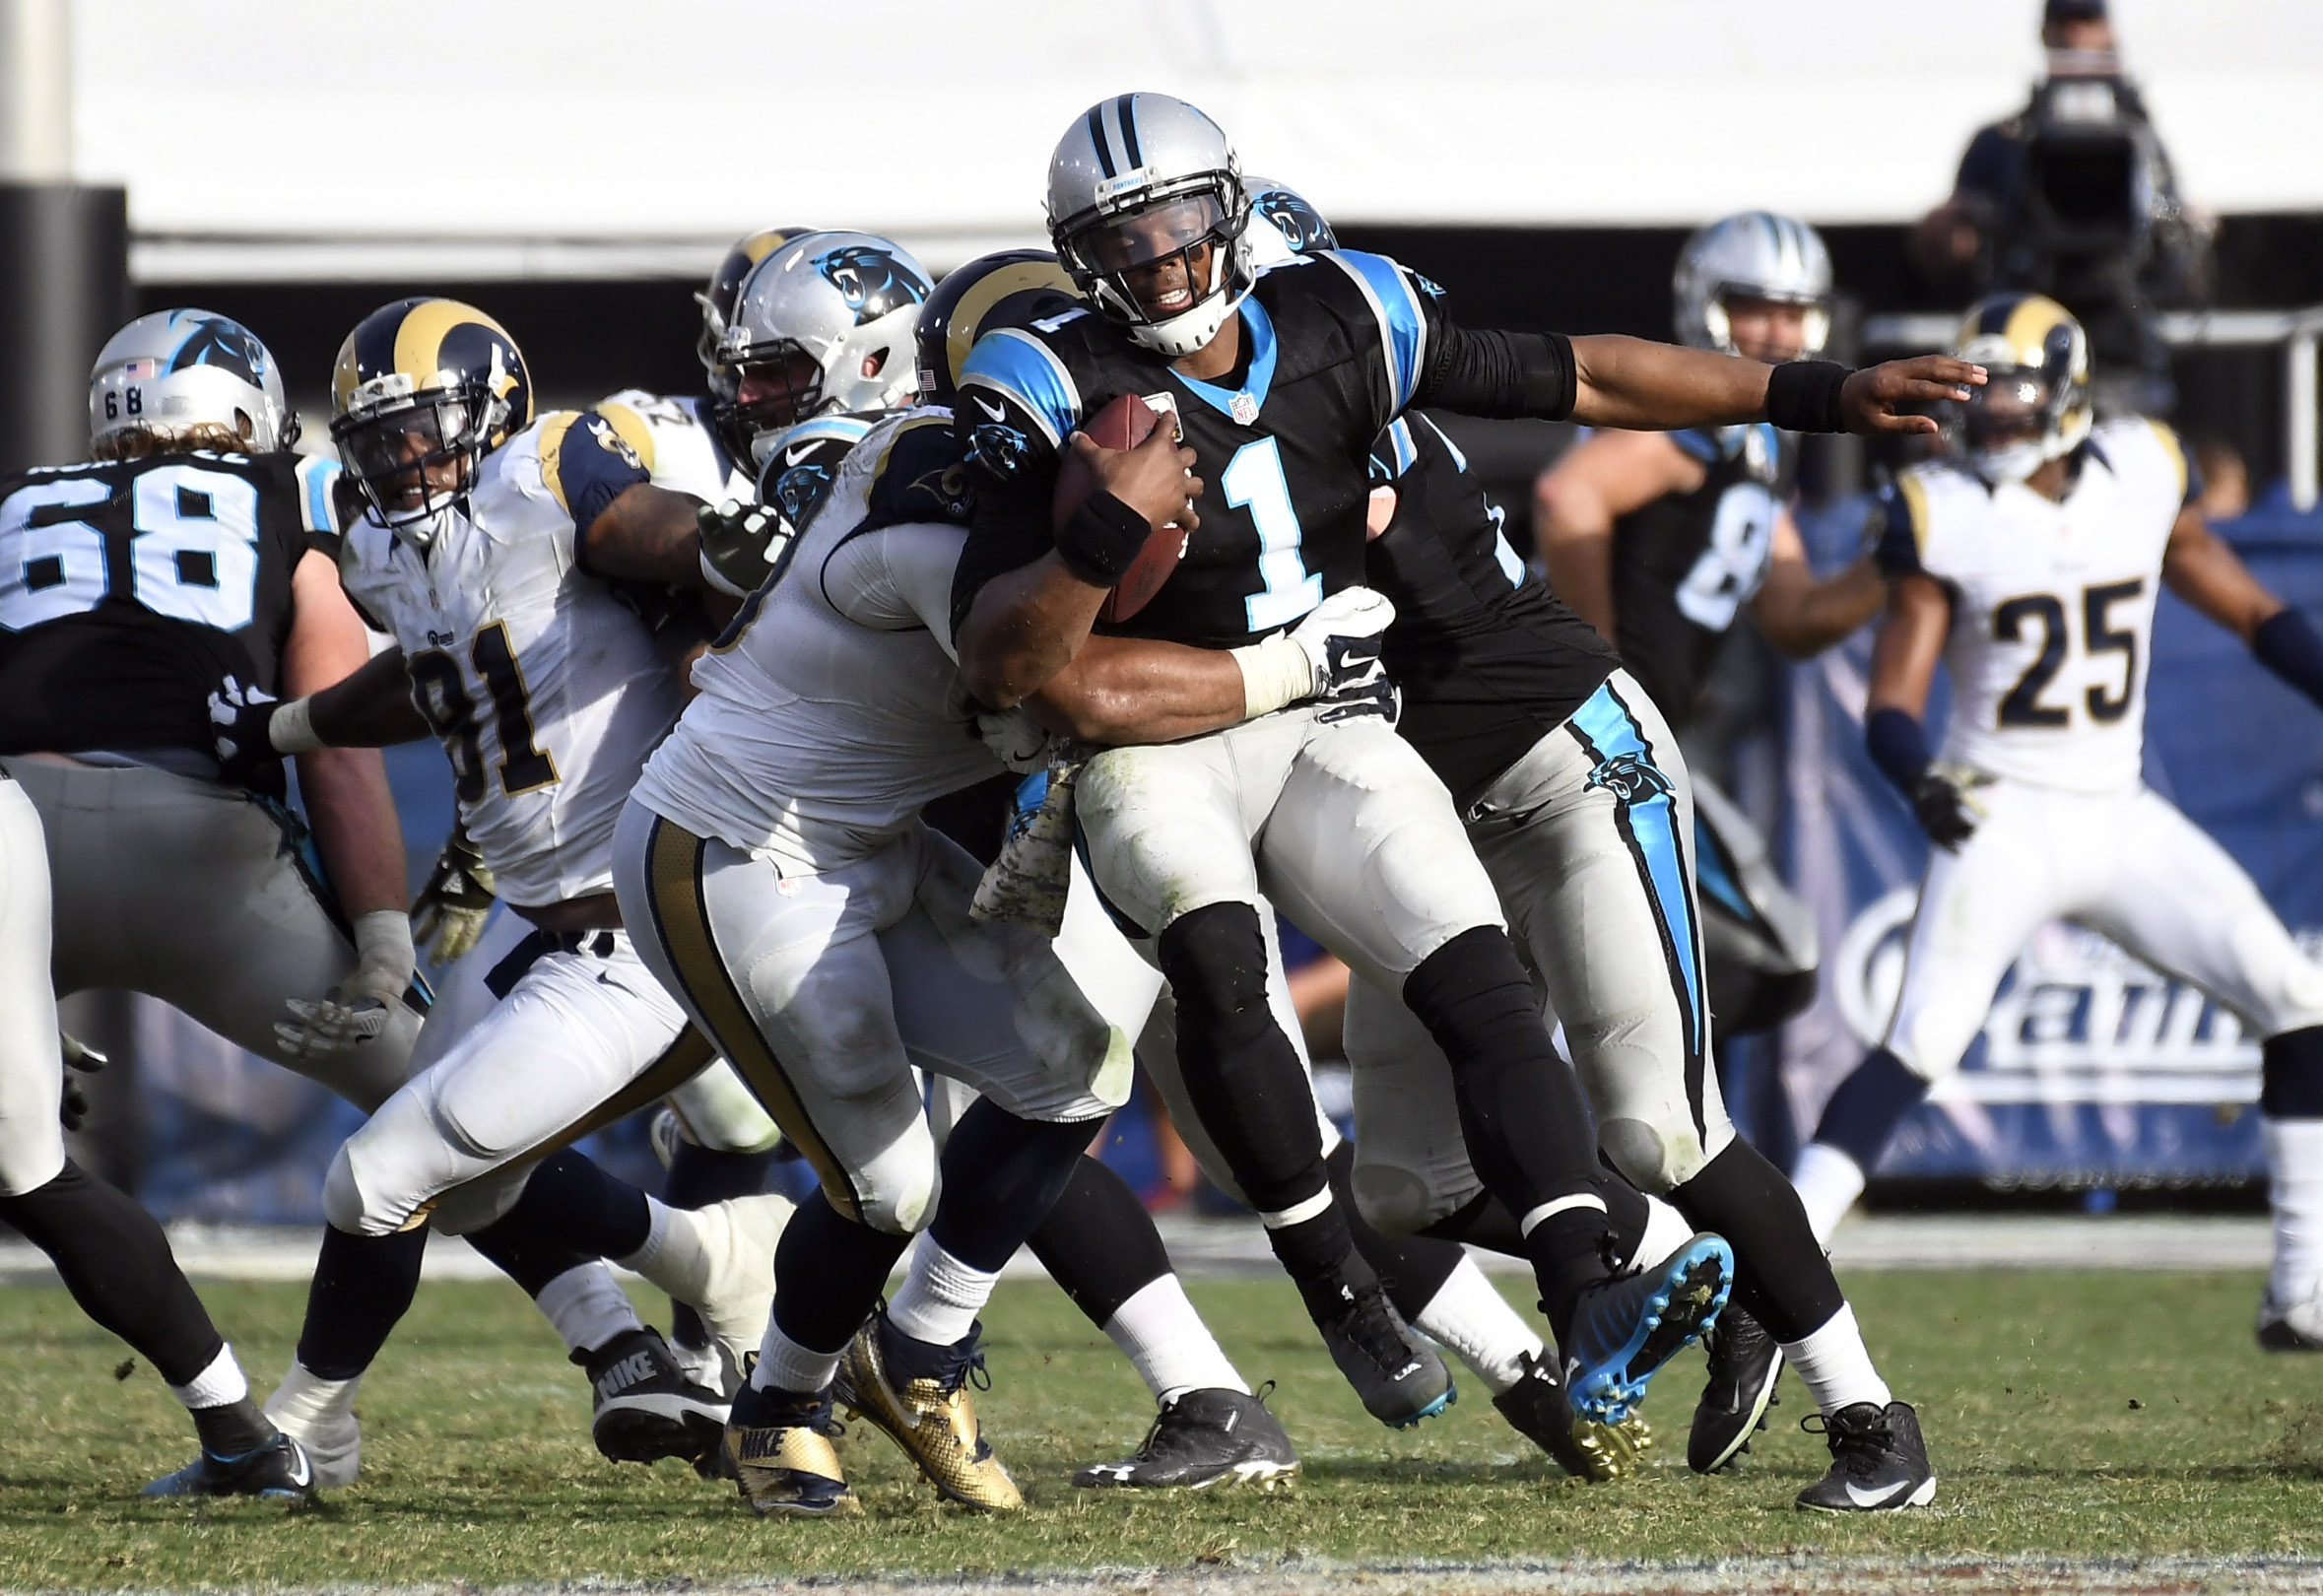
x,y
1403,325
1017,367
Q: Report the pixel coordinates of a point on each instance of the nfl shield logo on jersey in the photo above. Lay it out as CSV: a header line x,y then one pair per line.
x,y
1244,409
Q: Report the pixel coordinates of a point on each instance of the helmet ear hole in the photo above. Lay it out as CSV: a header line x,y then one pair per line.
x,y
243,425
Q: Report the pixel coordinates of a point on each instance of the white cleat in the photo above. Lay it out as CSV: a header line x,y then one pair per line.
x,y
736,1239
2291,1326
334,1444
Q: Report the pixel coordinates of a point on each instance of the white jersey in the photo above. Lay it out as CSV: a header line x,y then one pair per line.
x,y
677,443
832,710
545,689
2052,604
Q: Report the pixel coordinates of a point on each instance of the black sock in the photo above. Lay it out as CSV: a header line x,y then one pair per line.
x,y
529,1260
697,1178
1412,1268
362,1286
1009,1173
1864,1113
828,1272
232,1427
1484,1220
2291,1075
1781,1275
116,1263
570,1201
1099,1242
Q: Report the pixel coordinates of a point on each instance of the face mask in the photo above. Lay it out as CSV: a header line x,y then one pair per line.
x,y
2009,462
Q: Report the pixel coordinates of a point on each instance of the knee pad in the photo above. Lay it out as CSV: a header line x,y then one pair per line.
x,y
1653,1158
897,1190
1397,1201
717,1111
342,1197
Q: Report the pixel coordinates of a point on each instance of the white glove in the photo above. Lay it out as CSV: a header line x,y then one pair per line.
x,y
1015,739
358,1008
1332,654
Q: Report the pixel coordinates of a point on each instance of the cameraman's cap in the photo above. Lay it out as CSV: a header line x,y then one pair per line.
x,y
2072,11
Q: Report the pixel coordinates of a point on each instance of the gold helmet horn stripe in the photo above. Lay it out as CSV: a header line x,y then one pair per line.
x,y
2031,322
1017,277
419,342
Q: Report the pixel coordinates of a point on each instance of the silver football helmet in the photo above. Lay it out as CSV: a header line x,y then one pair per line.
x,y
1756,255
1141,182
825,323
189,378
1284,225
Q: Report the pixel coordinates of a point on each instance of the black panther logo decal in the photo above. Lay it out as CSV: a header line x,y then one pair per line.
x,y
1301,225
872,281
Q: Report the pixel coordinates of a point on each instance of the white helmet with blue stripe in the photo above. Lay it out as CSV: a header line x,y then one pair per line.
x,y
187,379
1756,255
1144,187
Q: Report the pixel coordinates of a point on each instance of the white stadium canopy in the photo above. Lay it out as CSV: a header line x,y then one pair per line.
x,y
498,138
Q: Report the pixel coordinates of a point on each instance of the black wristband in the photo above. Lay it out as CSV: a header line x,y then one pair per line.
x,y
1100,538
1803,396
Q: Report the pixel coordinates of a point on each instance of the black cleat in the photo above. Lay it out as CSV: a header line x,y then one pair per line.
x,y
1203,1439
1625,1329
278,1469
647,1409
1878,1463
1745,1365
1537,1409
1400,1378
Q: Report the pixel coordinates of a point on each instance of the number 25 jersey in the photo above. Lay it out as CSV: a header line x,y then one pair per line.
x,y
545,689
2052,603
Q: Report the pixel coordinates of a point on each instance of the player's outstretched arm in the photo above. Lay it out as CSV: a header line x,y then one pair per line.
x,y
1577,501
1802,616
1903,666
1636,383
346,793
2202,570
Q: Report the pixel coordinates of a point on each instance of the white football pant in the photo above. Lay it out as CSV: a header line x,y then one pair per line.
x,y
31,1069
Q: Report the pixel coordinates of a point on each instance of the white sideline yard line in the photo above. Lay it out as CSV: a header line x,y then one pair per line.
x,y
1232,1249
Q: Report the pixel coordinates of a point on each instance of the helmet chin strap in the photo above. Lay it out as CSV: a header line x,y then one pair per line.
x,y
2009,462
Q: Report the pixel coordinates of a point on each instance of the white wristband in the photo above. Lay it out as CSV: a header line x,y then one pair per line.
x,y
1275,673
291,729
383,940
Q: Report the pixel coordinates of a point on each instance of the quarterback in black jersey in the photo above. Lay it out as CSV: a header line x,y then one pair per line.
x,y
1284,383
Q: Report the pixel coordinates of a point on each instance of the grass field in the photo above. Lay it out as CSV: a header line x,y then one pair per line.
x,y
2081,1415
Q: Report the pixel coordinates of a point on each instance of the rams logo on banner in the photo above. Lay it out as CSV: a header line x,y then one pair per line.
x,y
873,282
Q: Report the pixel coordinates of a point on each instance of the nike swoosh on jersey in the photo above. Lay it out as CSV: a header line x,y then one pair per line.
x,y
996,411
1875,1499
793,455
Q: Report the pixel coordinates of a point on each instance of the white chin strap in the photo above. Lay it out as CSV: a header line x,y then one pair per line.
x,y
2012,462
422,530
1189,330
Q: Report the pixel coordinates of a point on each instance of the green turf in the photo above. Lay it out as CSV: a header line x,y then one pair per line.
x,y
2081,1414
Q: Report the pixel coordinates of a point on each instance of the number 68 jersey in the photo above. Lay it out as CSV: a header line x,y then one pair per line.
x,y
545,689
2052,603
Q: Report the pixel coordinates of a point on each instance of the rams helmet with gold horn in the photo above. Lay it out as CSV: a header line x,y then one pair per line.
x,y
423,389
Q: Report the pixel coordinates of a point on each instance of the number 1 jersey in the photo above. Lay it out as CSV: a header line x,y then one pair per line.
x,y
131,589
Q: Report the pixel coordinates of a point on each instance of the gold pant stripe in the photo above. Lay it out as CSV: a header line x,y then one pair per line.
x,y
681,920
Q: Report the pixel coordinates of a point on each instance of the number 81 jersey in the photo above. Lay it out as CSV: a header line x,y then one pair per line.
x,y
545,689
2052,603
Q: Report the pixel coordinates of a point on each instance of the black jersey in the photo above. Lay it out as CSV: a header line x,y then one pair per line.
x,y
131,589
1335,345
1488,659
1686,562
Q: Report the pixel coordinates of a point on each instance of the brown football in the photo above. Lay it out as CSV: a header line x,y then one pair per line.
x,y
1122,425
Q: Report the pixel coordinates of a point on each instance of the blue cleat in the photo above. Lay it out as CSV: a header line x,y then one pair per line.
x,y
278,1469
1623,1330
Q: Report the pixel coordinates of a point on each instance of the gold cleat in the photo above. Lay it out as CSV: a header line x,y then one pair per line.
x,y
931,1418
791,1469
1612,1451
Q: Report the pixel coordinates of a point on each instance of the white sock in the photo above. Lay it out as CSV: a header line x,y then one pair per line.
x,y
305,1404
1665,1231
2294,1179
214,1387
1828,1183
1172,1349
941,1297
1836,1366
785,1365
672,1256
1477,1324
587,1307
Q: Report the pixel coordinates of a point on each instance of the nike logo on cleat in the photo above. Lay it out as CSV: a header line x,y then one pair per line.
x,y
1875,1499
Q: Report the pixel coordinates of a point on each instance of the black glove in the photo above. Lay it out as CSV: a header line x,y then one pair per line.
x,y
1946,806
741,545
80,1060
239,721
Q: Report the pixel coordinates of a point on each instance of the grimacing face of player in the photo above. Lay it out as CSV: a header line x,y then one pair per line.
x,y
1765,329
1164,255
409,444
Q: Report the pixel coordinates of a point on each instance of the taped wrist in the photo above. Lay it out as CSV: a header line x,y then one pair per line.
x,y
383,940
1898,747
291,729
2288,646
1803,396
1275,672
1100,538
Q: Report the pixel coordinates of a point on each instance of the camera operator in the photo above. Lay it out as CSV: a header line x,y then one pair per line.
x,y
2074,197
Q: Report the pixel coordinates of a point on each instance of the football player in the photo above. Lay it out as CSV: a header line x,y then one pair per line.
x,y
2029,564
490,552
1321,808
1660,540
193,553
1575,797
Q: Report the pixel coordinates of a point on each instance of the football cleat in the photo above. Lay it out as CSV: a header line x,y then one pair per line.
x,y
278,1469
1399,1377
778,1448
1536,1408
1745,1365
2290,1326
1625,1329
645,1408
1202,1438
738,1238
327,1433
1879,1462
930,1416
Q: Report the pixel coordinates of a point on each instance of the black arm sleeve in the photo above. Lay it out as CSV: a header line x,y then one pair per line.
x,y
1498,374
1011,528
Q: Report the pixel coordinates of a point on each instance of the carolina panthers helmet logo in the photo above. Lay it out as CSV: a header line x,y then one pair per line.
x,y
1629,777
215,340
1301,225
873,282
